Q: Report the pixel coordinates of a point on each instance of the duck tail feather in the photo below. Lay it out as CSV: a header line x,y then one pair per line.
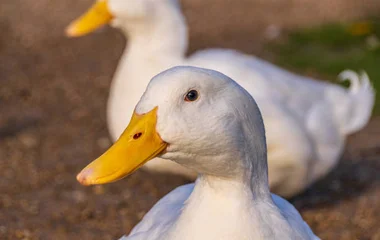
x,y
362,96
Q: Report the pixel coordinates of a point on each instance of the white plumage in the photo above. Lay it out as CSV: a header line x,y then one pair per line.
x,y
307,121
231,197
165,213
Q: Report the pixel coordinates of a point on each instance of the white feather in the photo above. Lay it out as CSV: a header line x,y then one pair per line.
x,y
307,120
231,198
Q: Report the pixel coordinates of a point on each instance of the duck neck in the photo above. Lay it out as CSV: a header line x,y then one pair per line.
x,y
253,158
159,37
221,209
156,44
234,187
255,173
150,50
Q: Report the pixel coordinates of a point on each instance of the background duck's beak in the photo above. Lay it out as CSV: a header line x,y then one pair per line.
x,y
95,17
138,144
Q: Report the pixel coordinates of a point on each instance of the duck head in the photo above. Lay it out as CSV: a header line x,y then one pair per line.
x,y
128,15
198,118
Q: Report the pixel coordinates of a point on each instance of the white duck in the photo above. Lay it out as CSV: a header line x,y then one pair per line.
x,y
205,121
307,120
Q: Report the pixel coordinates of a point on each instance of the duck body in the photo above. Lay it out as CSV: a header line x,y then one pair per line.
x,y
307,121
204,121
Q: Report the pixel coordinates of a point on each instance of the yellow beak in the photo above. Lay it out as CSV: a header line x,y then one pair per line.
x,y
138,144
97,16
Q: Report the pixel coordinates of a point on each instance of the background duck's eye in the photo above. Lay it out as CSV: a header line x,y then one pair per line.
x,y
191,96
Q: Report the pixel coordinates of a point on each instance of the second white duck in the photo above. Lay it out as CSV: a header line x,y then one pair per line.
x,y
307,120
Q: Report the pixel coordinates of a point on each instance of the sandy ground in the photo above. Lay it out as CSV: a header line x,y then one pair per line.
x,y
53,93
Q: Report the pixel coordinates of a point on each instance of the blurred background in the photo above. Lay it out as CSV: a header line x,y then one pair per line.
x,y
53,93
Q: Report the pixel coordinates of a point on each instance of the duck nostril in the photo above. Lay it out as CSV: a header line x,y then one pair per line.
x,y
137,135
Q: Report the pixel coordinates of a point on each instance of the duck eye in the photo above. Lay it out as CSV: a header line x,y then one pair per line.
x,y
191,96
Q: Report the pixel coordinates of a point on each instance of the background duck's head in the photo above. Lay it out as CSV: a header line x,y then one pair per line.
x,y
199,118
132,16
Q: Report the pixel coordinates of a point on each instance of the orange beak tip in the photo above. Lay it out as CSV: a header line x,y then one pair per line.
x,y
70,32
82,177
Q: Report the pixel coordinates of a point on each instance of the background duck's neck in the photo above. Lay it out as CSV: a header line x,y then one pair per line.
x,y
221,209
158,42
150,50
164,35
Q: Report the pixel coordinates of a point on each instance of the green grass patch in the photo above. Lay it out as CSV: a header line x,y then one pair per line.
x,y
332,48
